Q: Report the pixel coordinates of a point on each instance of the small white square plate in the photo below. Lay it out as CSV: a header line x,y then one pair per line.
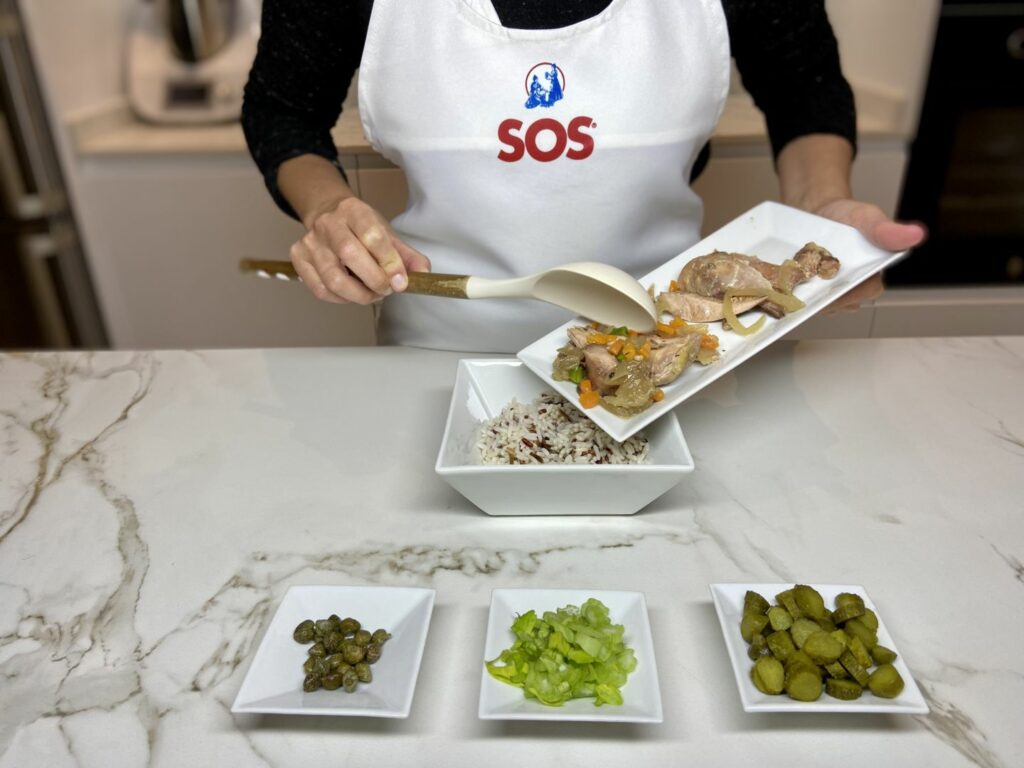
x,y
273,683
641,695
728,599
770,231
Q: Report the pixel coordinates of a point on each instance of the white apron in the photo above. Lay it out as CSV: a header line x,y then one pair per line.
x,y
525,149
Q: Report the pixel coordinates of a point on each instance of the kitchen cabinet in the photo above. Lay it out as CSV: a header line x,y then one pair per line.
x,y
166,235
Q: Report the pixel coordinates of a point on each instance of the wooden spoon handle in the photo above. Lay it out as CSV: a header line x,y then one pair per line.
x,y
426,283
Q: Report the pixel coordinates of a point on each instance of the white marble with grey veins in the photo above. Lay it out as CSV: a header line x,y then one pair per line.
x,y
154,508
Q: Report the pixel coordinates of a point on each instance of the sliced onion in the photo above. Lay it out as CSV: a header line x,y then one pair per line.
x,y
730,315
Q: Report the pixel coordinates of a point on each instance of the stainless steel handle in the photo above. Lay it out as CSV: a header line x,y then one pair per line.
x,y
37,252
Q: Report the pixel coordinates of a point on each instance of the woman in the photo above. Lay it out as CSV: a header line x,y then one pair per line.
x,y
534,133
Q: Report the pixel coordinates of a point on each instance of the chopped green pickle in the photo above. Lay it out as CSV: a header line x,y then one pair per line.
x,y
758,647
754,603
870,620
802,629
780,644
847,690
857,628
788,601
822,647
886,682
768,675
752,623
779,618
802,648
883,655
810,601
860,653
854,667
803,684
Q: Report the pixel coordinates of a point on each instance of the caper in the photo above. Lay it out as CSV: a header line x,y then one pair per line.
x,y
373,651
317,649
311,682
335,620
349,626
380,636
334,661
323,626
317,665
363,672
353,653
362,637
304,632
333,641
350,680
333,681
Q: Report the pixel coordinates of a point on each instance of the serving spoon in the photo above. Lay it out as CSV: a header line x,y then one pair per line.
x,y
596,291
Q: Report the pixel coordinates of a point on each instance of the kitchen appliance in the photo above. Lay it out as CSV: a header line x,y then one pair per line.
x,y
46,296
965,177
187,61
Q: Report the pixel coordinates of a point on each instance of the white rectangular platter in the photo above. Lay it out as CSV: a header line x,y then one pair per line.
x,y
770,231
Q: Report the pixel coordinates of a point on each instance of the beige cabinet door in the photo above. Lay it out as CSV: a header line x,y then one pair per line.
x,y
166,236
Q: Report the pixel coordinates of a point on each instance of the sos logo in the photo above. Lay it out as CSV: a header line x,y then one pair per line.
x,y
545,139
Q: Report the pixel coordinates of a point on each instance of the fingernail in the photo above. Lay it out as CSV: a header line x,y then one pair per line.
x,y
398,282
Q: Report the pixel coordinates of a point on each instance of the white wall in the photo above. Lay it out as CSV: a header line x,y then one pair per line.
x,y
887,46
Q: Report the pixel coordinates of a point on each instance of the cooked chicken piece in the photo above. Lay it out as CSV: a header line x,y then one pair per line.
x,y
817,261
669,357
711,275
700,309
600,365
578,335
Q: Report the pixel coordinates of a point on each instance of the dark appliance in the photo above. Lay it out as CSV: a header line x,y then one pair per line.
x,y
965,177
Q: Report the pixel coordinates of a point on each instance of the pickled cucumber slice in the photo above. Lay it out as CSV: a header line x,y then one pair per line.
x,y
883,655
803,684
836,670
780,644
886,682
788,601
754,603
857,672
822,648
751,624
860,653
779,618
810,601
857,628
768,675
847,690
758,647
802,629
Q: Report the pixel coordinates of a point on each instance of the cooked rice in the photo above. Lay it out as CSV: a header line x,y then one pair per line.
x,y
551,431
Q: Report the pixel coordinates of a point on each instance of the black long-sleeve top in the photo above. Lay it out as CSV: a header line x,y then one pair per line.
x,y
309,50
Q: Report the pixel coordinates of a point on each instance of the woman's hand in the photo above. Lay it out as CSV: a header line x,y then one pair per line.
x,y
814,175
350,254
870,221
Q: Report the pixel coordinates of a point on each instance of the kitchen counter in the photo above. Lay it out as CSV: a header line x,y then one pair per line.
x,y
113,130
156,506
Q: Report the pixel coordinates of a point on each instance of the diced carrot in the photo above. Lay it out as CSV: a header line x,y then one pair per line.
x,y
616,346
600,338
645,350
707,341
595,325
589,399
633,333
673,285
677,322
665,330
586,386
658,396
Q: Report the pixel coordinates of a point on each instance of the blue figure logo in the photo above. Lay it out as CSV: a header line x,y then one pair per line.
x,y
545,85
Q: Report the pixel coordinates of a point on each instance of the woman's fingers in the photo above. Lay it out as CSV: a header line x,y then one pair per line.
x,y
338,280
414,260
310,277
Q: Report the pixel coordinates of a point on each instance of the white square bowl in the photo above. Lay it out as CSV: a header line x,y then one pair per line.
x,y
273,683
482,389
728,599
641,694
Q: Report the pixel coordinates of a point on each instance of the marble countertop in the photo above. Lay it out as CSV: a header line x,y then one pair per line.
x,y
154,507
